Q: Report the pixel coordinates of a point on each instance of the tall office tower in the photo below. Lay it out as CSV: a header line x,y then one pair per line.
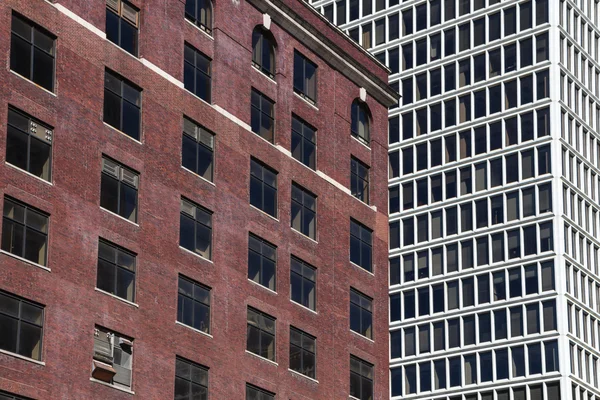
x,y
494,184
193,201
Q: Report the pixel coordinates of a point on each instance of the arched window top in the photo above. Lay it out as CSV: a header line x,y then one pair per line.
x,y
360,121
263,51
200,12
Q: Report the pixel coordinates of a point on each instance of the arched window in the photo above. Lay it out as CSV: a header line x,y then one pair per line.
x,y
360,121
263,51
200,13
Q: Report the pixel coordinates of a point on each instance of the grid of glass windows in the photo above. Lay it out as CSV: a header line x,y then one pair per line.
x,y
122,105
262,261
262,115
303,352
122,20
304,211
304,145
22,325
29,144
303,283
263,187
199,12
195,228
197,73
116,270
193,304
197,149
191,380
32,52
361,313
260,337
119,189
24,231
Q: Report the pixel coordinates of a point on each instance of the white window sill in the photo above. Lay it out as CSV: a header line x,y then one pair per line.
x,y
31,360
261,286
35,84
361,268
123,50
304,236
304,376
200,29
263,74
27,173
360,141
307,101
25,260
261,358
120,217
196,254
117,297
304,307
193,329
199,176
362,336
123,133
266,214
112,386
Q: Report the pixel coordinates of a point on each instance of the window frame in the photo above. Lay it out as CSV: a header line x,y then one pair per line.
x,y
262,256
118,175
20,321
190,381
303,265
26,209
304,352
261,331
359,109
182,296
262,100
199,136
123,84
117,267
360,301
117,10
355,179
303,210
302,140
33,124
197,207
262,37
361,241
305,89
362,375
196,69
264,186
207,26
31,43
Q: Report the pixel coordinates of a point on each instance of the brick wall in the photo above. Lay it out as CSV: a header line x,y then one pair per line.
x,y
72,305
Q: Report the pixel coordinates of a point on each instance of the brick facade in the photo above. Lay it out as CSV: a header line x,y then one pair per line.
x,y
72,305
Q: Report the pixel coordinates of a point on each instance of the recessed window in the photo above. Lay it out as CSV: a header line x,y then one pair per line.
x,y
195,230
193,304
24,231
28,144
262,115
119,189
255,393
361,245
22,326
122,24
263,51
305,77
303,350
197,73
303,285
261,334
262,261
263,187
361,379
32,52
197,149
191,380
304,211
122,105
199,12
361,313
359,180
116,270
360,121
304,146
113,358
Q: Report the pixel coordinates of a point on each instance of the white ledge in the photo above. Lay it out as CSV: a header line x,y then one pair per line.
x,y
262,286
162,73
10,353
35,84
25,260
261,358
28,173
78,19
199,176
196,254
304,376
112,386
120,217
117,297
193,329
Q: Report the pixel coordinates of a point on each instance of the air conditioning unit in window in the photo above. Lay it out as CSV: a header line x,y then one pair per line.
x,y
102,371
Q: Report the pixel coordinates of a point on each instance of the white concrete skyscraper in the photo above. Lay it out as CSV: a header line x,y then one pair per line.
x,y
494,188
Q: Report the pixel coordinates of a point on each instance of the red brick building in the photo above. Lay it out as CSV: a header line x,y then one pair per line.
x,y
181,183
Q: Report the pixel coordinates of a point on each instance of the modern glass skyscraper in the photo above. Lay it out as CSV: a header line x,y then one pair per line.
x,y
494,188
